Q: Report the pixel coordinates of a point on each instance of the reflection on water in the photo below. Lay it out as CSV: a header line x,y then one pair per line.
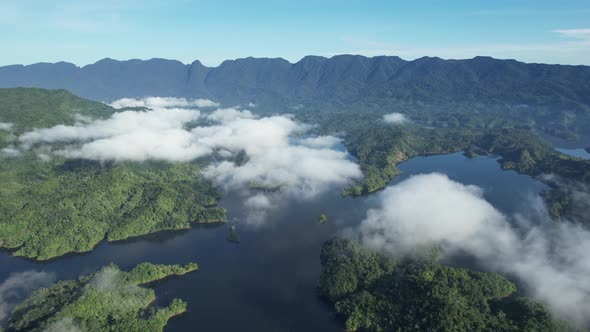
x,y
268,282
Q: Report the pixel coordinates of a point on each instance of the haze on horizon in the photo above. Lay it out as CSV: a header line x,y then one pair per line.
x,y
83,32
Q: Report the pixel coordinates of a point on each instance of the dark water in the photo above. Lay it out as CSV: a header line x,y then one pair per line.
x,y
268,282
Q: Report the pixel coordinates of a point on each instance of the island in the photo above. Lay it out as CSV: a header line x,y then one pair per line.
x,y
322,218
53,206
233,234
375,292
106,300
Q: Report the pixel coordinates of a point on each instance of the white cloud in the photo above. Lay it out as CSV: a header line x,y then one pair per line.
x,y
257,207
229,114
428,210
130,135
63,325
574,33
276,156
18,286
279,154
10,152
163,102
396,118
6,126
321,142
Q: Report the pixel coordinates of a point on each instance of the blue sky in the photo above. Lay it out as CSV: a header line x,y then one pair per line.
x,y
83,32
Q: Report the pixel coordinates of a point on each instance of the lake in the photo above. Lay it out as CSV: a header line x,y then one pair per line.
x,y
575,148
268,282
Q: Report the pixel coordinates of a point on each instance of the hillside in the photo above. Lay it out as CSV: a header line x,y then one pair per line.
x,y
374,292
53,206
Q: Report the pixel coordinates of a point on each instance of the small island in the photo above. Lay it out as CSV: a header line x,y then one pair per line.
x,y
323,218
233,234
106,300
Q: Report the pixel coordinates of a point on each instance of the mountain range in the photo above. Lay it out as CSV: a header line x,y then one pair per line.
x,y
342,76
555,96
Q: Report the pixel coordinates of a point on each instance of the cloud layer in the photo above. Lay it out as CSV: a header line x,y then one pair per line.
x,y
278,158
163,102
130,135
18,286
425,210
395,118
5,126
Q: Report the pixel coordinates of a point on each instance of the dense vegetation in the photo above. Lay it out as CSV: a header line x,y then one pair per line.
x,y
380,148
374,292
107,300
38,108
52,207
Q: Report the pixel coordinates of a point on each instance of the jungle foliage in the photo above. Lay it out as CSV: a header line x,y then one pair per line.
x,y
376,292
107,300
50,207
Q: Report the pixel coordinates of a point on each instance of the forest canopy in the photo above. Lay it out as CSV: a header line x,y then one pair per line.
x,y
375,292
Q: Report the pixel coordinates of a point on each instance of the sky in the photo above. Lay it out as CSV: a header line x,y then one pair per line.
x,y
83,32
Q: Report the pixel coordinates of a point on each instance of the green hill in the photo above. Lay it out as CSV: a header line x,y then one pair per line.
x,y
28,108
106,300
52,207
373,292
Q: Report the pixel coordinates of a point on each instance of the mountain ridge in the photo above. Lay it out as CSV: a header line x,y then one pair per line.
x,y
292,63
251,78
554,98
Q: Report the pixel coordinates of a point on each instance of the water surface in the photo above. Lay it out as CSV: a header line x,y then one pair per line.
x,y
268,282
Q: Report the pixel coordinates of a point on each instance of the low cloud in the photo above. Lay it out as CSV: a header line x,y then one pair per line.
x,y
18,286
130,135
395,118
63,325
229,114
578,194
10,152
6,126
163,102
277,158
112,280
432,210
583,34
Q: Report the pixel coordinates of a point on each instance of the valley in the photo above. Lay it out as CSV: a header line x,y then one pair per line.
x,y
66,202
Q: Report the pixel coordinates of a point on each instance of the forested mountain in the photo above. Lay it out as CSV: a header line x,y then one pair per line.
x,y
53,206
554,98
341,77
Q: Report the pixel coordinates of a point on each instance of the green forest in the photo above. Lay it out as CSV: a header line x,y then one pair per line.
x,y
106,300
52,207
381,148
376,292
